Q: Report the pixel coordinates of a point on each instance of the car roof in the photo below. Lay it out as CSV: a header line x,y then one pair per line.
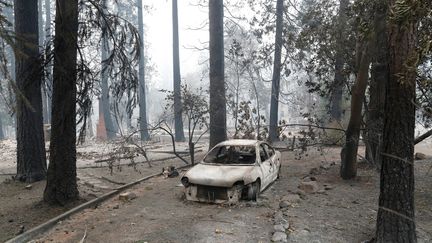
x,y
239,142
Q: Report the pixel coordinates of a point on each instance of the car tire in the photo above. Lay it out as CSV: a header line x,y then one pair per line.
x,y
254,190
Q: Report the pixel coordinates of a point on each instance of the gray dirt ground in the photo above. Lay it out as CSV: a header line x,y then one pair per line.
x,y
22,209
346,213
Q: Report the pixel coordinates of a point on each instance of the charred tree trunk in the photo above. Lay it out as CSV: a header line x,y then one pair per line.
x,y
41,48
217,79
2,136
141,75
9,12
31,158
48,68
61,180
274,100
40,24
395,221
340,77
349,151
178,119
379,77
106,108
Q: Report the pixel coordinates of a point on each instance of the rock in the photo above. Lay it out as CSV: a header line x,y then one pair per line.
x,y
309,186
286,225
309,178
325,167
328,187
21,230
279,228
29,187
301,193
279,218
314,171
279,236
116,207
127,196
322,191
420,156
284,204
292,198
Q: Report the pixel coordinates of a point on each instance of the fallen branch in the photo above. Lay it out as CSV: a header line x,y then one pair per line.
x,y
423,137
113,159
84,236
111,181
311,125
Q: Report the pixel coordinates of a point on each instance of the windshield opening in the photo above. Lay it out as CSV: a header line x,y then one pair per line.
x,y
229,155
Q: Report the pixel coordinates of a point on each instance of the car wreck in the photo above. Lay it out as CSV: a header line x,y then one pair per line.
x,y
233,170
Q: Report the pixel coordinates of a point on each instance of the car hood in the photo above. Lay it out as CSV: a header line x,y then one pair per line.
x,y
218,175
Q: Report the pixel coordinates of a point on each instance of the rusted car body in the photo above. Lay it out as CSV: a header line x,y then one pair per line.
x,y
233,170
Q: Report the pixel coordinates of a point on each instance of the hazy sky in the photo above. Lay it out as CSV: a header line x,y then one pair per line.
x,y
159,35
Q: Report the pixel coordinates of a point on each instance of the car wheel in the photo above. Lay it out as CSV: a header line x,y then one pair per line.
x,y
254,190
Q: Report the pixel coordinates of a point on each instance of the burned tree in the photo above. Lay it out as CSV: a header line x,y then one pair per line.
x,y
379,76
141,78
340,77
395,221
178,119
31,158
217,79
61,179
105,96
349,151
274,104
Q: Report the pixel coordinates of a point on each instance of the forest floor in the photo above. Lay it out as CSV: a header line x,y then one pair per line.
x,y
345,212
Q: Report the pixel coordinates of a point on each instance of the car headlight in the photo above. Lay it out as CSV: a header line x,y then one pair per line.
x,y
185,181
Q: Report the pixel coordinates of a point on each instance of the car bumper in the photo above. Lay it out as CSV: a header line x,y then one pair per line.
x,y
212,194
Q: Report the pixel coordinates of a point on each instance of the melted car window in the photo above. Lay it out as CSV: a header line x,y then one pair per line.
x,y
231,155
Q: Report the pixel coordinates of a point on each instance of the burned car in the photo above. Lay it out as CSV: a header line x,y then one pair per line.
x,y
233,170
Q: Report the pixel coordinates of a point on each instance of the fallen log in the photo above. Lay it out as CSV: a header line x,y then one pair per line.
x,y
423,137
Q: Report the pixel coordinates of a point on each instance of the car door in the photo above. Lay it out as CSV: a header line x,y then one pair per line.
x,y
266,167
274,161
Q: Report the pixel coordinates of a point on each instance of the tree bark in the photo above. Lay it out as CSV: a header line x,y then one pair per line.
x,y
106,108
45,87
349,151
395,221
379,77
31,158
9,12
48,69
2,136
141,75
178,119
274,100
40,24
340,78
217,79
61,180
